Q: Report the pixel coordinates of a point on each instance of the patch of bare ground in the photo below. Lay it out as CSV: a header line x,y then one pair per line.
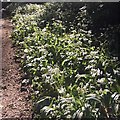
x,y
16,104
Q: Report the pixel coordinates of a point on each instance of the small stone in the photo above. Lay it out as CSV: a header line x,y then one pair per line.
x,y
4,87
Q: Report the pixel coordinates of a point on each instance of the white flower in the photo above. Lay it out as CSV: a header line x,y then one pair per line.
x,y
56,70
44,29
93,72
98,71
61,90
26,51
101,81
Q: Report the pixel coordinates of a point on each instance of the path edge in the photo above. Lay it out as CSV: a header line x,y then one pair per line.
x,y
1,94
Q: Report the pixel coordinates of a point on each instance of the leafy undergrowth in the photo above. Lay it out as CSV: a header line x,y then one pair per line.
x,y
71,76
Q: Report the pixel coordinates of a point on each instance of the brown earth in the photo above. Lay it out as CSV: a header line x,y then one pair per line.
x,y
16,103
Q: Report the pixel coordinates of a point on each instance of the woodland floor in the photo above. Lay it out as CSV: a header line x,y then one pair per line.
x,y
16,103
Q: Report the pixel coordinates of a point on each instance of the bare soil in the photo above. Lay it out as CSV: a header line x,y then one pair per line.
x,y
16,103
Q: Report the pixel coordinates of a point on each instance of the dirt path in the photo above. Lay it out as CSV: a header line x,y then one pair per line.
x,y
15,103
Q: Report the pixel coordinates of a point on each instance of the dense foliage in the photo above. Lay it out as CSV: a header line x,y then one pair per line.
x,y
70,70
